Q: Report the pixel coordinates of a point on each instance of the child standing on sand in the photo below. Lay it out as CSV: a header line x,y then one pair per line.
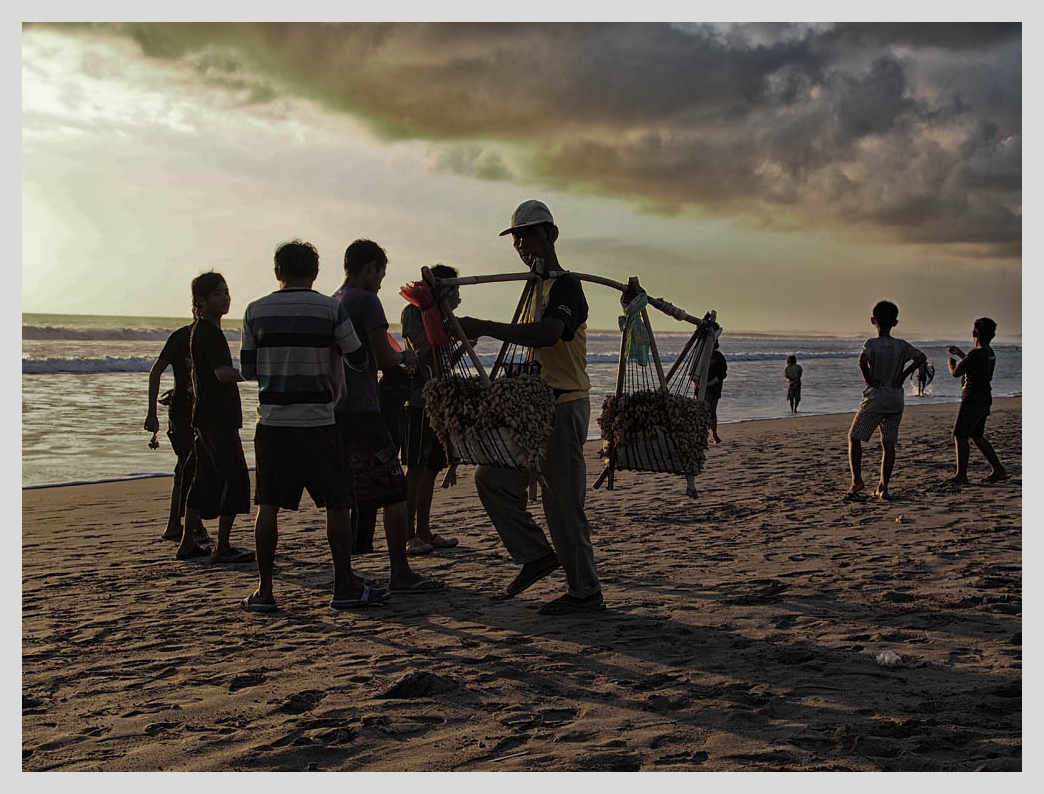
x,y
975,371
793,375
221,486
176,355
881,363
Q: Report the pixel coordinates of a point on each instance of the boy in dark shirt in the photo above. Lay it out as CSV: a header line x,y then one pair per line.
x,y
176,355
976,371
221,485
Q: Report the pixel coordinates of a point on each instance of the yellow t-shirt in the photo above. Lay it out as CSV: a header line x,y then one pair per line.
x,y
564,365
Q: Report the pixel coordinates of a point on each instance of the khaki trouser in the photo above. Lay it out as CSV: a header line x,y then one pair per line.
x,y
504,494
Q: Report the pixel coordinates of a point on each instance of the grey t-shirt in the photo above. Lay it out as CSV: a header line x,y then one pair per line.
x,y
887,356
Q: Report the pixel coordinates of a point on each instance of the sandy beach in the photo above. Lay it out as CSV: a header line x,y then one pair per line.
x,y
742,630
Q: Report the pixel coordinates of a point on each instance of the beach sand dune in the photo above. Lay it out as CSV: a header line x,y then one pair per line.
x,y
742,629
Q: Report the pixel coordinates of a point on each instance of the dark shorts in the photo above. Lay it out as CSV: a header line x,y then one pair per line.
x,y
971,421
372,456
794,390
420,445
221,484
291,460
712,402
181,435
182,438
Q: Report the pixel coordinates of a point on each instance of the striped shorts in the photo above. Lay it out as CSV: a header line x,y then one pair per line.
x,y
866,422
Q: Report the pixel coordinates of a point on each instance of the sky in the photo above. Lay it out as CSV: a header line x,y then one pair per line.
x,y
787,176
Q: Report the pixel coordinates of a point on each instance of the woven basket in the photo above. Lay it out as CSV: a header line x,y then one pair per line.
x,y
488,448
652,450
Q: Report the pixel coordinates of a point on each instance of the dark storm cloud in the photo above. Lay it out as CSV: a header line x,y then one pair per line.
x,y
908,132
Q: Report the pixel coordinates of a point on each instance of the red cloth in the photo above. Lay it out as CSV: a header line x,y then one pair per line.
x,y
419,294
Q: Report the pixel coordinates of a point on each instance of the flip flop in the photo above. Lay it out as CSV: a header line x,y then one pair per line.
x,y
368,596
420,587
571,605
232,555
418,546
197,551
440,542
998,477
252,603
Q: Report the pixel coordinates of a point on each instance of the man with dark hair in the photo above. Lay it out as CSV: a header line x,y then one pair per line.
x,y
561,333
975,371
881,363
371,453
221,483
289,338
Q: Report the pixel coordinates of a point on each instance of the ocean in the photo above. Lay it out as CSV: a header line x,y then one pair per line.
x,y
85,386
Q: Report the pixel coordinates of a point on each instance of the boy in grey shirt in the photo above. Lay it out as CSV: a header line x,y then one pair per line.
x,y
881,363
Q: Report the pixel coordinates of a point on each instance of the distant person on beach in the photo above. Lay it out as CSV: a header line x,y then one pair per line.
x,y
371,452
922,378
881,363
975,371
178,357
793,374
290,339
719,370
561,333
221,484
422,452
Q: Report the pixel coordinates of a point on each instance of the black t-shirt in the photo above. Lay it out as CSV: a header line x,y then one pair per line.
x,y
719,369
567,302
976,374
216,404
177,353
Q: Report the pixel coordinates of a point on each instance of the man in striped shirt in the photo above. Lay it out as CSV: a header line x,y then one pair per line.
x,y
287,340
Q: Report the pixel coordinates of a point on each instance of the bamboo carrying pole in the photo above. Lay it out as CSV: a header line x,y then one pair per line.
x,y
662,305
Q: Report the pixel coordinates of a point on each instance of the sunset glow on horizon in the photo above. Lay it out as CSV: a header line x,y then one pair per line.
x,y
787,176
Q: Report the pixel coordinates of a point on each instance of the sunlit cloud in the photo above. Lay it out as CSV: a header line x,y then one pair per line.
x,y
814,124
744,144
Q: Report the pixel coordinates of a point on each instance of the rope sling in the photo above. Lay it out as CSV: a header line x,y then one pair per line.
x,y
657,422
501,419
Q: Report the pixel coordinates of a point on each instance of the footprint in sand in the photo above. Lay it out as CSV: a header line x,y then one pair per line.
x,y
245,680
301,702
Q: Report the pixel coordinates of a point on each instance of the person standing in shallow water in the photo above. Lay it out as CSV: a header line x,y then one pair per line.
x,y
793,375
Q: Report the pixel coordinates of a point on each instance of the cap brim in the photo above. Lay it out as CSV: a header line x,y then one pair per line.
x,y
520,226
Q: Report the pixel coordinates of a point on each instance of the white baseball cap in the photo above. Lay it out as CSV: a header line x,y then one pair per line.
x,y
528,213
